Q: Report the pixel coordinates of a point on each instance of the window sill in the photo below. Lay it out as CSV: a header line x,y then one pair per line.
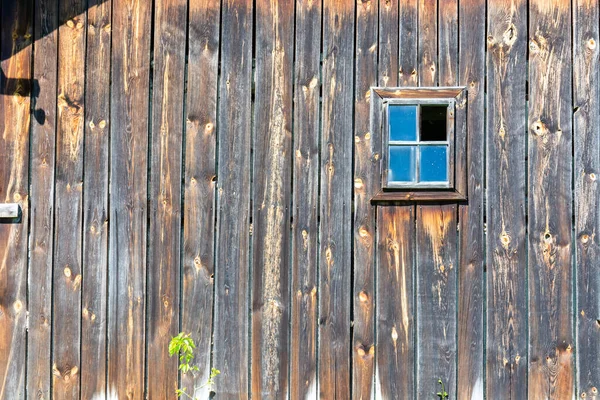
x,y
420,196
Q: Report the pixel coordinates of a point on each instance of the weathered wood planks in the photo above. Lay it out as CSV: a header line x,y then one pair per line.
x,y
200,184
551,358
130,66
272,197
15,52
95,201
506,179
586,136
366,182
164,230
231,319
305,200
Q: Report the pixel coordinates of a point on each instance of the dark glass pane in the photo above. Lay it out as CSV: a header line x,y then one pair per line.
x,y
403,122
433,164
402,164
433,123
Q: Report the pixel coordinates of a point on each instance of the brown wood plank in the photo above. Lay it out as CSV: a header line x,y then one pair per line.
x,y
164,231
436,299
200,185
448,42
16,25
68,222
272,198
395,302
549,175
407,43
231,319
587,218
95,200
506,223
303,365
336,192
470,372
128,197
366,181
428,43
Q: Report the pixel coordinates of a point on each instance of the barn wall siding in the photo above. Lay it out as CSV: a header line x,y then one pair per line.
x,y
207,166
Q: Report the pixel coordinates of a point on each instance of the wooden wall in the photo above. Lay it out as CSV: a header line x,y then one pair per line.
x,y
208,166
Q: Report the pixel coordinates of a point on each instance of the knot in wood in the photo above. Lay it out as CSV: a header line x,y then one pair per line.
x,y
357,139
358,183
363,296
510,35
533,46
593,176
368,136
67,272
591,44
585,238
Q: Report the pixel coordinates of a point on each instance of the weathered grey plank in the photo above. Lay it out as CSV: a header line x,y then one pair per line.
x,y
164,231
366,183
95,200
550,250
336,190
233,220
305,229
128,197
586,135
15,86
200,184
506,176
272,198
395,302
68,222
436,299
407,43
43,141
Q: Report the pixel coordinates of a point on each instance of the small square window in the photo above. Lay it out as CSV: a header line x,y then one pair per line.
x,y
423,151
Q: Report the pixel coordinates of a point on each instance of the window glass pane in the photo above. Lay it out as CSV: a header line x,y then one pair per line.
x,y
433,123
433,164
403,122
402,164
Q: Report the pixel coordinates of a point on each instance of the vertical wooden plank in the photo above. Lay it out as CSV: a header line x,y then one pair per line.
x,y
407,43
366,182
15,86
549,230
395,301
43,140
200,184
128,197
471,235
95,200
170,20
307,84
272,198
587,166
506,364
66,302
336,192
233,219
436,299
448,42
427,43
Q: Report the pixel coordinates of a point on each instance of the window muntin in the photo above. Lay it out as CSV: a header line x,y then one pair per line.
x,y
418,144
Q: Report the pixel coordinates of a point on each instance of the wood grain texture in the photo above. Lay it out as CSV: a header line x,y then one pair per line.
x,y
68,222
448,42
436,278
336,190
427,43
164,231
272,198
95,200
506,223
200,184
305,199
231,343
15,52
407,43
366,182
551,344
586,136
471,373
130,68
395,302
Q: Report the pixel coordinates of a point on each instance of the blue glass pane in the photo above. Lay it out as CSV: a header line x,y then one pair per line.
x,y
402,164
434,164
403,122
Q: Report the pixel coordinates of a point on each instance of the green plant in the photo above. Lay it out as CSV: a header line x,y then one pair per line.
x,y
443,394
184,346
